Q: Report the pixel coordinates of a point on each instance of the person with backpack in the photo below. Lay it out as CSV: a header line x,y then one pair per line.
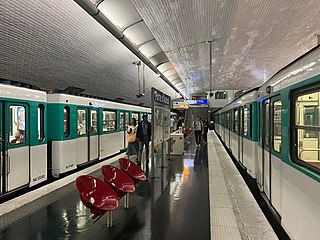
x,y
198,129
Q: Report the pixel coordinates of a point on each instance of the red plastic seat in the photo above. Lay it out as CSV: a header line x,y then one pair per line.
x,y
97,195
118,179
133,170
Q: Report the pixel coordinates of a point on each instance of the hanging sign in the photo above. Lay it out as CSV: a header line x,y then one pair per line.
x,y
160,97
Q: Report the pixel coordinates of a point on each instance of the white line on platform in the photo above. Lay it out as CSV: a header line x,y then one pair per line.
x,y
15,203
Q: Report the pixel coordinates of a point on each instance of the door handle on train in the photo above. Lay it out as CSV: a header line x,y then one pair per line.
x,y
8,162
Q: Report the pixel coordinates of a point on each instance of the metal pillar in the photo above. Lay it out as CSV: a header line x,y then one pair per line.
x,y
109,219
126,200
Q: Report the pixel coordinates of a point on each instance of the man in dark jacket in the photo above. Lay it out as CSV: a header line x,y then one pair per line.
x,y
144,137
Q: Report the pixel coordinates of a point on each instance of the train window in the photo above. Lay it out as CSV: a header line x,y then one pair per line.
x,y
227,121
40,122
109,121
66,121
250,117
277,105
149,117
245,121
93,121
307,128
235,121
136,116
127,120
121,120
82,122
17,125
266,125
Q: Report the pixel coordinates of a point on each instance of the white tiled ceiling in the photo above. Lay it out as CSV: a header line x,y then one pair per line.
x,y
56,44
253,39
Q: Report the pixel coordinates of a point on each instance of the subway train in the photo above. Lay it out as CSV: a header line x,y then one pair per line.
x,y
49,135
274,133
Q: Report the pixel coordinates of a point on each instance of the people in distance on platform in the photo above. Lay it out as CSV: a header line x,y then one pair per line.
x,y
198,129
180,122
205,130
18,137
144,137
132,148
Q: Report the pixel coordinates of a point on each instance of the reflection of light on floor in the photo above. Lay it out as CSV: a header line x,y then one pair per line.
x,y
175,190
188,163
185,171
81,215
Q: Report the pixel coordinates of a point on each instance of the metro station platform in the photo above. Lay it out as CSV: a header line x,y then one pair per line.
x,y
200,195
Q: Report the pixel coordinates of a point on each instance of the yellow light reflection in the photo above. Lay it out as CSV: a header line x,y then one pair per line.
x,y
185,171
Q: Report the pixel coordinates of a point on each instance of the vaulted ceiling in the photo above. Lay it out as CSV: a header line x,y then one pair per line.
x,y
56,44
252,39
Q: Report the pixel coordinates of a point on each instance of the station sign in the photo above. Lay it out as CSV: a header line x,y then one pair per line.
x,y
197,102
160,97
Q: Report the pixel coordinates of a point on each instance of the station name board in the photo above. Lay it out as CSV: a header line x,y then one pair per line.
x,y
197,102
160,97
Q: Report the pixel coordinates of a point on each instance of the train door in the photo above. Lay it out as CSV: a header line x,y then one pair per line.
x,y
224,127
1,151
127,123
124,123
82,136
15,162
229,129
93,137
266,155
242,130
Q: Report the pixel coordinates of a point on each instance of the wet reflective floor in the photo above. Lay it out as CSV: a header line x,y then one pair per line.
x,y
173,205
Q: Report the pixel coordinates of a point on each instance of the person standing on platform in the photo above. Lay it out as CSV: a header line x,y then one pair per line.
x,y
132,148
205,130
198,128
144,137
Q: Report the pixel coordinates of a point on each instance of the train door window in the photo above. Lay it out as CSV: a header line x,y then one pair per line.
x,y
121,120
82,122
66,121
228,121
93,121
40,122
266,125
135,115
250,124
307,128
127,120
17,133
277,106
245,121
109,120
235,121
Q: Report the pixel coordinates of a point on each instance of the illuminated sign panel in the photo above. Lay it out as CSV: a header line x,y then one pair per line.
x,y
197,102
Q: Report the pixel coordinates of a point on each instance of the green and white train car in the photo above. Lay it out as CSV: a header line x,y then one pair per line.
x,y
289,145
83,130
238,129
287,163
23,146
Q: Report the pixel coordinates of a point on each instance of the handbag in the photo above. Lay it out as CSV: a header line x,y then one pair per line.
x,y
132,138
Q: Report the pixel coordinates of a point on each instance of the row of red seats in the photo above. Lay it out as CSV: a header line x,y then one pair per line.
x,y
102,197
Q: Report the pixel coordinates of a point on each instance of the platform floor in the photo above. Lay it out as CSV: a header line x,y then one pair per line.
x,y
173,205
